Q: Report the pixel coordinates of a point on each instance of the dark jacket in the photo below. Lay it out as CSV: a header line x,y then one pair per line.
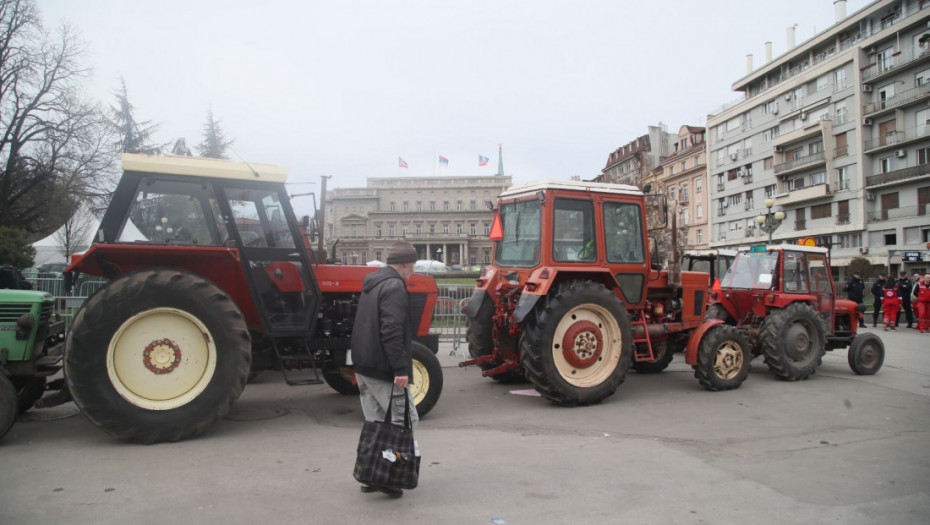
x,y
904,290
877,288
854,288
381,334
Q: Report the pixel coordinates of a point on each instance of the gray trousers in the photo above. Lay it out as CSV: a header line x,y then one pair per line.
x,y
374,394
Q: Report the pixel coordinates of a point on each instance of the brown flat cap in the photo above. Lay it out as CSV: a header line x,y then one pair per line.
x,y
401,252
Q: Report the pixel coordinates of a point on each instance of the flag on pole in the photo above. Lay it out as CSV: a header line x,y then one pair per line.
x,y
482,161
401,162
443,161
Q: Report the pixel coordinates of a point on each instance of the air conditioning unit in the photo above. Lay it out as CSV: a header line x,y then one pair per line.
x,y
872,50
803,116
864,250
900,153
733,156
725,204
866,88
775,110
787,96
866,122
779,149
740,173
869,196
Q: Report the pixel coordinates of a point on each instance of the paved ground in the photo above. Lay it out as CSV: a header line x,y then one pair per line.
x,y
837,448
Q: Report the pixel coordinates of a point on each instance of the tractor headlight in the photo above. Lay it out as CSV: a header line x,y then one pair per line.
x,y
24,326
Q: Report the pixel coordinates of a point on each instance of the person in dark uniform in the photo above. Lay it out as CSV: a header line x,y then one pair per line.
x,y
877,287
904,290
855,287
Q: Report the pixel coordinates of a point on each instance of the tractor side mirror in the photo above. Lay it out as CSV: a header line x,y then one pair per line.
x,y
305,221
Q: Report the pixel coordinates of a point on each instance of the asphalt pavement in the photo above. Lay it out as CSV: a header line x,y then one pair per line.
x,y
837,448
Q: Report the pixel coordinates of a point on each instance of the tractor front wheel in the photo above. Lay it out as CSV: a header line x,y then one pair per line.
x,y
723,358
7,404
717,311
794,341
427,378
577,344
157,355
663,353
866,354
28,391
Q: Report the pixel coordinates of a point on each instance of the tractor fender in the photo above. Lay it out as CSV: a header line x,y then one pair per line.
x,y
694,342
474,303
525,306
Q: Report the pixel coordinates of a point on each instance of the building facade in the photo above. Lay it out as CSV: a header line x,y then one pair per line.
x,y
632,162
684,180
837,132
445,218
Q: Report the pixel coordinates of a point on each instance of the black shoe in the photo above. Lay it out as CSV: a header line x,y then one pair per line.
x,y
367,488
391,491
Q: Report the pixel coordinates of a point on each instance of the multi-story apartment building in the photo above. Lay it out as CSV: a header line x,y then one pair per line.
x,y
684,179
836,130
632,162
445,218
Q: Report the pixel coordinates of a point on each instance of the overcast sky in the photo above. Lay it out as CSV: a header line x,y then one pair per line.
x,y
344,88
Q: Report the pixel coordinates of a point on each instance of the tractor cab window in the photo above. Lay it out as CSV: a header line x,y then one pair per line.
x,y
752,270
794,273
259,218
522,225
170,212
623,232
573,238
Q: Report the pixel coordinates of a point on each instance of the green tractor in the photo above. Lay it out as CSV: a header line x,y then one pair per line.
x,y
31,344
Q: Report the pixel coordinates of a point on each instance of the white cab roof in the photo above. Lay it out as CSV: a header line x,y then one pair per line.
x,y
201,167
792,247
598,187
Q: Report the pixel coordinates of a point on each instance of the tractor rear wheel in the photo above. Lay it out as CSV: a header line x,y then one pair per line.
x,y
341,379
577,344
717,311
157,355
793,341
7,404
427,378
866,354
28,391
481,340
663,353
723,358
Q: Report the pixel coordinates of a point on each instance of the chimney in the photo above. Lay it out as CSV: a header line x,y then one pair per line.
x,y
839,9
790,32
768,52
748,64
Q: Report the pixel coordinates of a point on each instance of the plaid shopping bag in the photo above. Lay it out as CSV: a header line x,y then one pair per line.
x,y
387,453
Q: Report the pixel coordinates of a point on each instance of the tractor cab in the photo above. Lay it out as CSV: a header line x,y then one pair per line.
x,y
715,262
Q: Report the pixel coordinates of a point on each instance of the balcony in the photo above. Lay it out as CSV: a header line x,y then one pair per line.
x,y
840,185
898,213
896,138
901,175
747,205
841,151
903,98
804,194
842,219
721,186
800,225
721,212
799,163
747,179
905,56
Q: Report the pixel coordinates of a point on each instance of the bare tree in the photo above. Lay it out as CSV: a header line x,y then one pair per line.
x,y
53,144
73,235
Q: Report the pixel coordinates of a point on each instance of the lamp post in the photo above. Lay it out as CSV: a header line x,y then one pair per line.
x,y
439,254
771,220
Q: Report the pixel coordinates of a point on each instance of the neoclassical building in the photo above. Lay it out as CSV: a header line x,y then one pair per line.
x,y
684,179
445,218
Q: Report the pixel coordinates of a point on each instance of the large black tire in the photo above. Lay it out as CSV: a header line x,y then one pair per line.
x,y
793,341
866,354
28,391
723,358
717,311
663,353
577,344
481,341
427,378
7,404
157,355
341,379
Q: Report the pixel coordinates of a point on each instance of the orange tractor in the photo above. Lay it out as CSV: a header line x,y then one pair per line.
x,y
573,299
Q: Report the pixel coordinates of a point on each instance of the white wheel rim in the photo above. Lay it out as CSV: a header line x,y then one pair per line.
x,y
420,382
728,360
581,365
161,359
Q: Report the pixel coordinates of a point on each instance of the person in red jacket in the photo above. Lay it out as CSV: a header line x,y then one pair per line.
x,y
891,303
922,298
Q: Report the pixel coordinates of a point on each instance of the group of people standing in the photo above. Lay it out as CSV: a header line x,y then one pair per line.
x,y
895,297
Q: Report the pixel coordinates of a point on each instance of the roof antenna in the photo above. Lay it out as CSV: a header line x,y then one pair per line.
x,y
244,162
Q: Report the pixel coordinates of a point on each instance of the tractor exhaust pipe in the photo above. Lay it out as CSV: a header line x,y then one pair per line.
x,y
674,259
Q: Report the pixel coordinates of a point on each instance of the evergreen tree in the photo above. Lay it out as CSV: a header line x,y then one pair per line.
x,y
133,137
214,143
180,148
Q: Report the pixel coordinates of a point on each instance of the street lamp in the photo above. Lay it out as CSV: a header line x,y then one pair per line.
x,y
771,220
439,254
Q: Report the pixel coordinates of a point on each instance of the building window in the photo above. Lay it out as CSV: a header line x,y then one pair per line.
x,y
458,228
473,229
770,190
419,205
419,230
821,211
432,205
445,228
472,205
767,163
377,255
404,230
839,79
487,228
698,185
391,231
445,205
818,178
842,178
392,206
923,156
699,210
700,236
886,164
458,206
432,228
406,206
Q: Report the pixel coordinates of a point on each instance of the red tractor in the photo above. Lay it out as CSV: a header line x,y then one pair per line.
x,y
778,301
211,280
572,299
